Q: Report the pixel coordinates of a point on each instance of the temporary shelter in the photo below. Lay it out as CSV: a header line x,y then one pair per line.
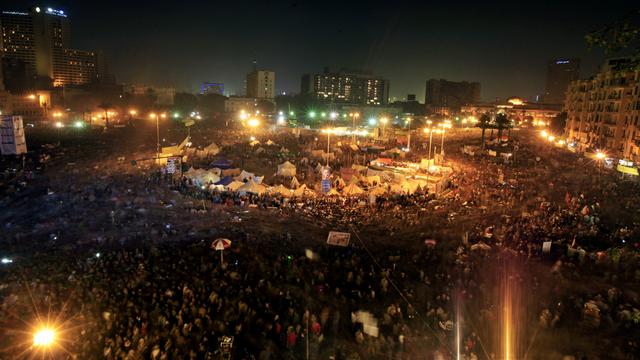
x,y
225,181
295,183
221,164
352,189
211,149
244,175
303,191
270,142
377,191
282,190
333,192
251,187
254,143
235,185
286,169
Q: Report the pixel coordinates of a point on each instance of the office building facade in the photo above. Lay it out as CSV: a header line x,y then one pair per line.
x,y
560,72
347,87
40,40
261,84
452,95
603,112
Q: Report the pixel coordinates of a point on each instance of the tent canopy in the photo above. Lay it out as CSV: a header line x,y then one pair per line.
x,y
235,185
282,190
244,175
225,181
286,169
252,187
295,183
221,164
352,189
333,192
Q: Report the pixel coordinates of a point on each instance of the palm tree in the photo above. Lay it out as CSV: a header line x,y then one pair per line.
x,y
502,122
106,107
484,123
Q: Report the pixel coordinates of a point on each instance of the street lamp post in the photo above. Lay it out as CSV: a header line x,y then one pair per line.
x,y
157,117
328,144
409,135
384,121
354,116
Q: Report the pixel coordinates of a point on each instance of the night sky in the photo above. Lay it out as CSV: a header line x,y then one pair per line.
x,y
503,45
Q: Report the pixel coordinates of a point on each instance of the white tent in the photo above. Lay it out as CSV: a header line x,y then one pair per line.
x,y
352,189
286,169
234,185
244,175
212,149
333,192
377,191
251,187
258,179
270,142
295,183
303,191
282,190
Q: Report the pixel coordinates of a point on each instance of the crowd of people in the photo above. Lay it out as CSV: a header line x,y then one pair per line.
x,y
144,282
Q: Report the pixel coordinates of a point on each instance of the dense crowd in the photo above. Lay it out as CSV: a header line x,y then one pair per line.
x,y
150,286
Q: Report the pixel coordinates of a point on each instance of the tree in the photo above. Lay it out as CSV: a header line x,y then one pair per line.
x,y
484,123
501,122
621,36
185,102
105,106
558,123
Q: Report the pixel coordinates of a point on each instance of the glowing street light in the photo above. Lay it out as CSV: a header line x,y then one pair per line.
x,y
157,116
333,115
600,155
59,125
32,96
384,121
253,122
328,132
44,337
372,121
132,112
354,116
312,114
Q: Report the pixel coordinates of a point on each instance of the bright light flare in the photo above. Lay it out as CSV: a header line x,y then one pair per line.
x,y
78,124
59,125
543,134
600,155
253,122
44,337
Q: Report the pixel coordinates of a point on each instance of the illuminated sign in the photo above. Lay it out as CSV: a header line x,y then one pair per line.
x,y
14,13
51,11
562,62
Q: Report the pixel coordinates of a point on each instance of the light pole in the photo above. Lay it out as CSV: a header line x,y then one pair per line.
x,y
384,121
157,117
409,135
328,131
444,126
354,116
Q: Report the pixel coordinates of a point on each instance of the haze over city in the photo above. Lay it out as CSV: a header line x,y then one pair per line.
x,y
320,180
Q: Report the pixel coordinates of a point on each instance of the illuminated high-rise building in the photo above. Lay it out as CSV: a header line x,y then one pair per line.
x,y
261,84
560,72
41,40
346,86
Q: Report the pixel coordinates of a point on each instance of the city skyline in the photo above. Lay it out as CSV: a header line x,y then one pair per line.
x,y
407,45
